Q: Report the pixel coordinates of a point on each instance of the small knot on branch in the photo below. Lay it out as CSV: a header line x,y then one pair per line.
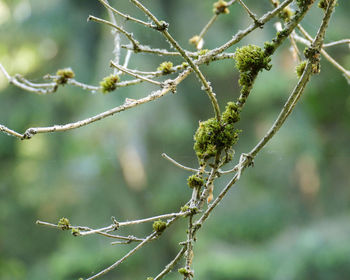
x,y
30,132
161,26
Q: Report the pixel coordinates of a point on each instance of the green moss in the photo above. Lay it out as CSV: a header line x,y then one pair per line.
x,y
231,113
251,58
109,83
269,48
203,52
300,68
159,226
165,67
63,224
286,14
220,7
75,231
149,278
212,137
304,3
64,75
183,271
195,181
185,208
184,64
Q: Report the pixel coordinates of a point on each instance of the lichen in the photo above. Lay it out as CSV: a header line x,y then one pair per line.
x,y
300,68
159,226
63,224
64,75
109,83
165,67
220,7
195,181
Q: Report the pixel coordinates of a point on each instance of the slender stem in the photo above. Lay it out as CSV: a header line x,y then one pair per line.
x,y
134,42
127,17
163,29
308,41
335,43
298,90
121,68
171,265
130,253
179,164
250,13
30,132
241,34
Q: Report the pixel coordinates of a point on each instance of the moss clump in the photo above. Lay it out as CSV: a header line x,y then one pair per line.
x,y
109,83
300,68
231,113
64,75
165,67
185,208
323,4
185,64
184,271
203,52
159,226
286,14
195,181
220,7
302,4
149,278
75,231
213,136
269,48
251,58
63,224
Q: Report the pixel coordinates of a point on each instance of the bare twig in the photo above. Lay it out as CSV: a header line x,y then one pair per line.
x,y
171,265
163,29
131,73
134,42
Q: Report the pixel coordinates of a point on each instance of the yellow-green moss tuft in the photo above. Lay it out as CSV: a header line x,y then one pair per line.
x,y
220,7
159,226
109,83
195,181
63,224
165,67
64,75
300,68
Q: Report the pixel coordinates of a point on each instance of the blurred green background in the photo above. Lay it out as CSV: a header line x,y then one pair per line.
x,y
287,218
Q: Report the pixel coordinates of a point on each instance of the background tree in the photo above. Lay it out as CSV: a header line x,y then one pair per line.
x,y
113,168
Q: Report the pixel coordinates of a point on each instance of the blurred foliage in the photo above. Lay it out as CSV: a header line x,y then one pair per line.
x,y
288,217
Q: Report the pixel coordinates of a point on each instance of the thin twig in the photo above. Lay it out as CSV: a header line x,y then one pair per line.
x,y
250,13
179,164
308,41
171,265
121,68
170,86
163,29
335,43
134,42
126,17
